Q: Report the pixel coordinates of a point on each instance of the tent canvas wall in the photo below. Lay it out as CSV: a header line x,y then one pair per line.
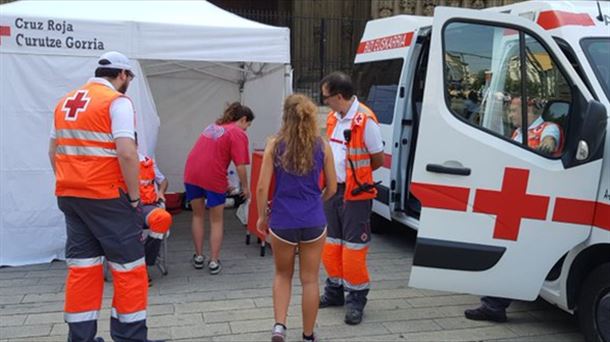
x,y
191,59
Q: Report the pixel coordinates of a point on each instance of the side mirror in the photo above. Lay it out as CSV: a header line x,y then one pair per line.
x,y
592,132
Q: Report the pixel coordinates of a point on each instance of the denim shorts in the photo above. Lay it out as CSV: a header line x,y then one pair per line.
x,y
294,236
213,199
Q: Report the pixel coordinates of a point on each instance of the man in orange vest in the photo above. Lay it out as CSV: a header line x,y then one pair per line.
x,y
357,147
544,136
153,185
94,156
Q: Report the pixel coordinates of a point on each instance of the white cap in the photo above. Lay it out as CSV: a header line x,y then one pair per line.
x,y
114,60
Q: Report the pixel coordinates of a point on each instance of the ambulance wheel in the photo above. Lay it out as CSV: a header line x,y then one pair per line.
x,y
594,305
378,224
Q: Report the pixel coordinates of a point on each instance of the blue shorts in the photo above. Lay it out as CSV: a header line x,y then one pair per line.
x,y
213,198
294,236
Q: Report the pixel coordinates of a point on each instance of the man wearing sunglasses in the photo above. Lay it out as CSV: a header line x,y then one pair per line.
x,y
357,148
93,153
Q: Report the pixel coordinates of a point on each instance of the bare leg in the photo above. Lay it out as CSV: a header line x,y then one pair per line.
x,y
197,224
283,255
216,231
310,255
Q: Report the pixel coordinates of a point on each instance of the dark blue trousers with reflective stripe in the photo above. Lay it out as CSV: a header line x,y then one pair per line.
x,y
104,227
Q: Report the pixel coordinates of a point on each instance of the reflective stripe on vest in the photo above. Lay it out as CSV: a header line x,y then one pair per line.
x,y
86,151
84,262
357,153
84,135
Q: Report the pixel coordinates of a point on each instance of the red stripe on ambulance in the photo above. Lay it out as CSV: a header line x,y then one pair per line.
x,y
441,196
396,41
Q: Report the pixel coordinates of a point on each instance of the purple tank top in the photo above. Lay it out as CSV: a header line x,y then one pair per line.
x,y
297,200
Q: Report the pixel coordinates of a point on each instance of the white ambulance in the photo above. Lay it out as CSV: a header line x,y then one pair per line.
x,y
496,213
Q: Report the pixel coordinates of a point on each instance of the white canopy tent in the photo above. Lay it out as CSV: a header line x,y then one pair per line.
x,y
191,59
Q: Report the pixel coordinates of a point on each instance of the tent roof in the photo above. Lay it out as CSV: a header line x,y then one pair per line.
x,y
183,30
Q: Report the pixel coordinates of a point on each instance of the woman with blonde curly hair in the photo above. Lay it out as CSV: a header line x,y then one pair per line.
x,y
296,156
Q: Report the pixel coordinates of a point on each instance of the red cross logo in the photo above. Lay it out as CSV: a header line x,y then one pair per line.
x,y
76,104
511,204
4,31
358,119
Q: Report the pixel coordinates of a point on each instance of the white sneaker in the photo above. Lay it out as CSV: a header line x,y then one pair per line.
x,y
198,261
214,266
278,333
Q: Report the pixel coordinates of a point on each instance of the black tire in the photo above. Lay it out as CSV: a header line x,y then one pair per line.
x,y
594,305
379,224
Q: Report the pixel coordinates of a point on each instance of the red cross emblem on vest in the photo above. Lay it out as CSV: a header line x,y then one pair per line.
x,y
358,119
76,104
511,204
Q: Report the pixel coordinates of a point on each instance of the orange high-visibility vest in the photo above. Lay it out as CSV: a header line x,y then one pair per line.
x,y
357,153
148,193
86,164
534,137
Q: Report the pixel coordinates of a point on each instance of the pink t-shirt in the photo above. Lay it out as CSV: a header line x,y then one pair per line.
x,y
218,145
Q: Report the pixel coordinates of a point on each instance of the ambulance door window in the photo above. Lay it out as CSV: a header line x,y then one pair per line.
x,y
493,73
481,70
548,100
376,85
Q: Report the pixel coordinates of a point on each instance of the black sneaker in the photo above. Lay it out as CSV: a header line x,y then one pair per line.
x,y
326,301
198,261
483,314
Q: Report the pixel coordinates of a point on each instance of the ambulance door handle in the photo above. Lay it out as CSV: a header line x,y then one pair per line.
x,y
452,170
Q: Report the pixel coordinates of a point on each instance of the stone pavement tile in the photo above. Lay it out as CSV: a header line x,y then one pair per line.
x,y
404,315
30,331
219,305
40,339
393,293
174,320
347,331
412,326
546,328
475,334
200,330
45,318
51,280
376,338
30,308
550,315
237,315
13,299
206,296
461,322
44,297
33,289
387,304
253,337
566,337
255,325
4,274
46,273
161,309
443,300
12,320
18,282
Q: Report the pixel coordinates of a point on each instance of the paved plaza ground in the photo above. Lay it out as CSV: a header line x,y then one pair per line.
x,y
236,305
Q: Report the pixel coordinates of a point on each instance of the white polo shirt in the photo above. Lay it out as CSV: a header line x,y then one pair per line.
x,y
122,114
372,139
548,131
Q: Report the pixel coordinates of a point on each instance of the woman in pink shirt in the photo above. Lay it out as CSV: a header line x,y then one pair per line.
x,y
205,176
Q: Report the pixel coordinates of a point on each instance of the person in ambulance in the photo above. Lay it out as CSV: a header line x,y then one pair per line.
x,y
546,137
357,147
93,153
